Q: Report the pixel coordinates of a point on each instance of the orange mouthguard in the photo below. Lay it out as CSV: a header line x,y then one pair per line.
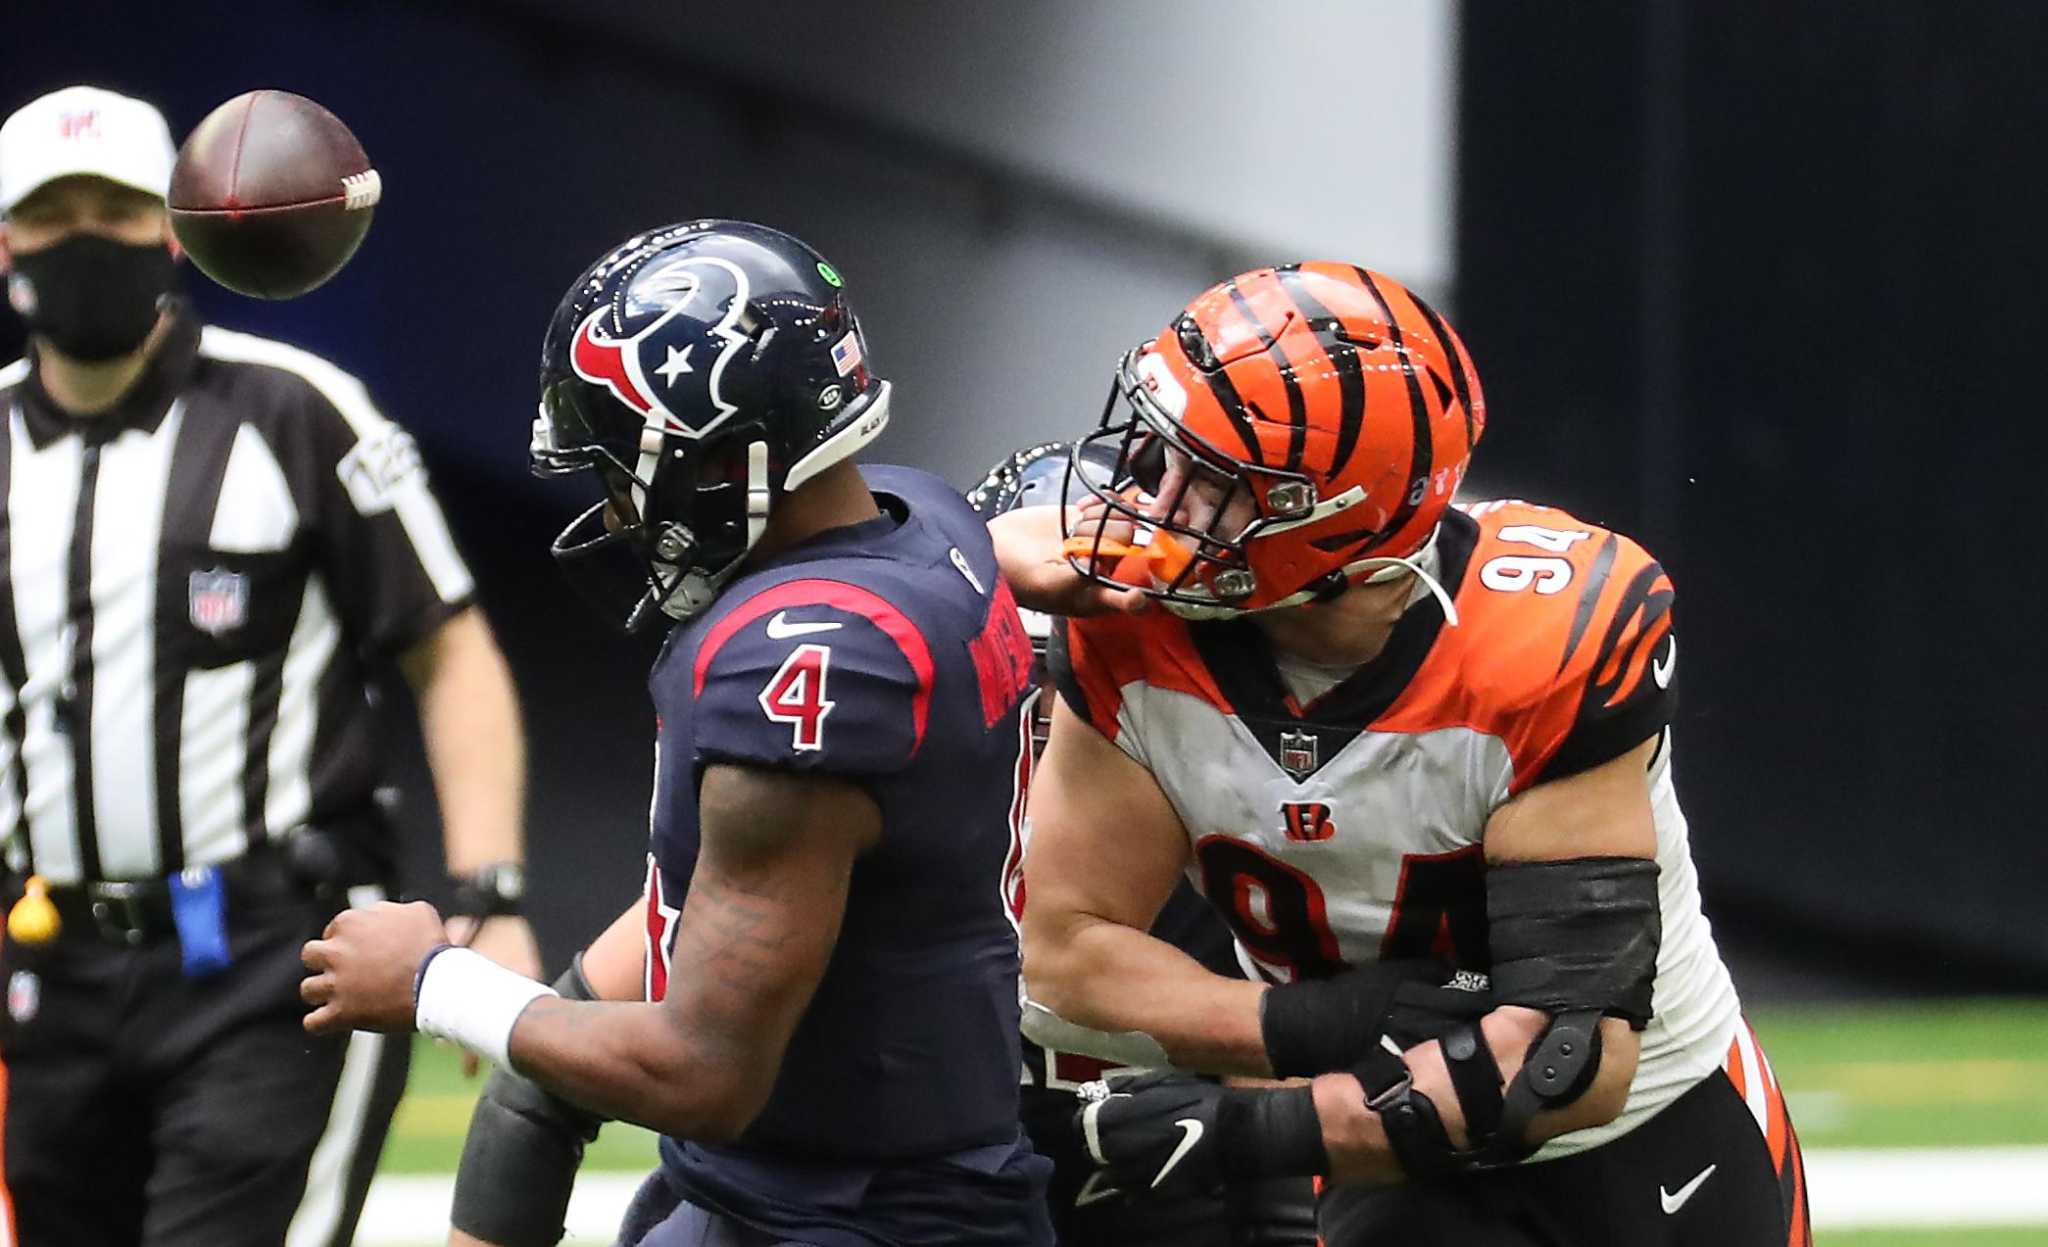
x,y
1162,561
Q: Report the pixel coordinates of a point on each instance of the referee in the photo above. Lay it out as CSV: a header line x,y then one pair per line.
x,y
210,542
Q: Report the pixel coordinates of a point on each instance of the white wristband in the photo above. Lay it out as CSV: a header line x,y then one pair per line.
x,y
466,997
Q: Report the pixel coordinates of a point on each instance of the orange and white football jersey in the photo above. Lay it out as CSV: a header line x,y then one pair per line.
x,y
1351,828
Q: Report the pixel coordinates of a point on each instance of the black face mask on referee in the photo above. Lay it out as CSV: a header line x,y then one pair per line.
x,y
90,297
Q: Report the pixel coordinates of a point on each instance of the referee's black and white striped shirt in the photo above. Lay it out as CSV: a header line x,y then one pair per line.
x,y
190,586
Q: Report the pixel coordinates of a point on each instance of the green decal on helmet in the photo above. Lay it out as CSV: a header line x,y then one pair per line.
x,y
829,273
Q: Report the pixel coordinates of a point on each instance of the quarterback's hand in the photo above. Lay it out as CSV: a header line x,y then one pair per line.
x,y
364,965
1030,547
506,939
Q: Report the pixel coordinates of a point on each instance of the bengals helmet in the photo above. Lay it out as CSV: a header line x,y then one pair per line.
x,y
1293,431
701,371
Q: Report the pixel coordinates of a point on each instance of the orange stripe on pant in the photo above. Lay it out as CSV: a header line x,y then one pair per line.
x,y
1750,1070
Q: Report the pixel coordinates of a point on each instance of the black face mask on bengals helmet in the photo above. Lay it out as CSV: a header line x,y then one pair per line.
x,y
92,298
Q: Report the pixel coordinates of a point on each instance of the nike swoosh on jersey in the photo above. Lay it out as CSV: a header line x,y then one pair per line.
x,y
1662,670
1190,1134
960,565
1675,1200
780,629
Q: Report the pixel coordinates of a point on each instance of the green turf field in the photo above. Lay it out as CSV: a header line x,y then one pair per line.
x,y
1904,1075
1932,1075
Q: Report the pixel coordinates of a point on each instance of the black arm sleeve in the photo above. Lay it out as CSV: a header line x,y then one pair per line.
x,y
520,1159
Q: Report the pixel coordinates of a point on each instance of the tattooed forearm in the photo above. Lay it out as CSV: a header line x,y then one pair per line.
x,y
757,931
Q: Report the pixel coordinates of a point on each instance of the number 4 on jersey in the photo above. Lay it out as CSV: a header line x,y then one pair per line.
x,y
796,695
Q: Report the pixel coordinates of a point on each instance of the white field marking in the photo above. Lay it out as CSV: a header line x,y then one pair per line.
x,y
1851,1188
412,1210
1959,1186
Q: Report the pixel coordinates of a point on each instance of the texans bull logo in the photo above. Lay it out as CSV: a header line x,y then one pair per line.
x,y
644,370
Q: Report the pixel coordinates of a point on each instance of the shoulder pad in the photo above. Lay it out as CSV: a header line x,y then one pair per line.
x,y
1566,640
816,675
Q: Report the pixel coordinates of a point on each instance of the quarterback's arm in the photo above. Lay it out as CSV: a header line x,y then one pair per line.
x,y
757,929
1599,813
1106,851
1030,549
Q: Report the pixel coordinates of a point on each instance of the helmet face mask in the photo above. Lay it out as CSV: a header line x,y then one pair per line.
x,y
1292,432
700,372
1193,507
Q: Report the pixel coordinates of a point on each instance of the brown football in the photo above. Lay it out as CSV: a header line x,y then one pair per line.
x,y
272,194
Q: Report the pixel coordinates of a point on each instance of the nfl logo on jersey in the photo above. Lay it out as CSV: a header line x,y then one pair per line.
x,y
219,601
1299,753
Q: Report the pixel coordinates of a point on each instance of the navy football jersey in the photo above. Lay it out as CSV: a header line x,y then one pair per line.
x,y
888,653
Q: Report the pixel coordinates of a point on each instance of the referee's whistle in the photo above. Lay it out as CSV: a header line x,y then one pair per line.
x,y
33,920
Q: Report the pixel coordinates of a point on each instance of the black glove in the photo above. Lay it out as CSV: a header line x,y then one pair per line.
x,y
1322,1026
1172,1135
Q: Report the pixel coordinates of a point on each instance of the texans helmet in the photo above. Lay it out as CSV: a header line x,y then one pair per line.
x,y
1036,476
1293,431
1040,476
701,371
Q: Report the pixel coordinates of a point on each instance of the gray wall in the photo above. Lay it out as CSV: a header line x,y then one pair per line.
x,y
1016,194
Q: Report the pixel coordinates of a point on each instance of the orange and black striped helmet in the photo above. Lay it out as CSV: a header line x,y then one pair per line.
x,y
1293,430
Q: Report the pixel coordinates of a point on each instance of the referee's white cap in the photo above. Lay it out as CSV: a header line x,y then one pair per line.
x,y
84,130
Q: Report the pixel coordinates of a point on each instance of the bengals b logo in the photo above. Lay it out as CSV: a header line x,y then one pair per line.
x,y
1306,820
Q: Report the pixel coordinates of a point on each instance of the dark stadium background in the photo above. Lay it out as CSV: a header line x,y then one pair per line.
x,y
1759,283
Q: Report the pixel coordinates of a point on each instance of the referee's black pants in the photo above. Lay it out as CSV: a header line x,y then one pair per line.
x,y
145,1107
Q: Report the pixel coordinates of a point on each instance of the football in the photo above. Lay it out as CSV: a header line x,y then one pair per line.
x,y
272,194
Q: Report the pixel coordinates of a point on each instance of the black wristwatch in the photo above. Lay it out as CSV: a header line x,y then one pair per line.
x,y
494,890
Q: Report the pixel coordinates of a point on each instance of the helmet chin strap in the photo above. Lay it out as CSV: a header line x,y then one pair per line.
x,y
1378,570
695,588
1423,563
1413,564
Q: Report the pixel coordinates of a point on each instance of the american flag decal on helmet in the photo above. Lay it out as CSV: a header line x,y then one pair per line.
x,y
846,353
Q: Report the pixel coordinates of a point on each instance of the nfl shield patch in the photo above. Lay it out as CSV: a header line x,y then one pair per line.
x,y
219,601
1300,753
24,995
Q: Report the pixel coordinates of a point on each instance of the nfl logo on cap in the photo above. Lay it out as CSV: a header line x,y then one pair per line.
x,y
220,601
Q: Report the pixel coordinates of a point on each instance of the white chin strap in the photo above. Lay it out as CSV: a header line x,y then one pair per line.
x,y
1413,563
1377,570
1423,563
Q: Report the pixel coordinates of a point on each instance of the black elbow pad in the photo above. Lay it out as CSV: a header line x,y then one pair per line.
x,y
520,1158
1575,936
